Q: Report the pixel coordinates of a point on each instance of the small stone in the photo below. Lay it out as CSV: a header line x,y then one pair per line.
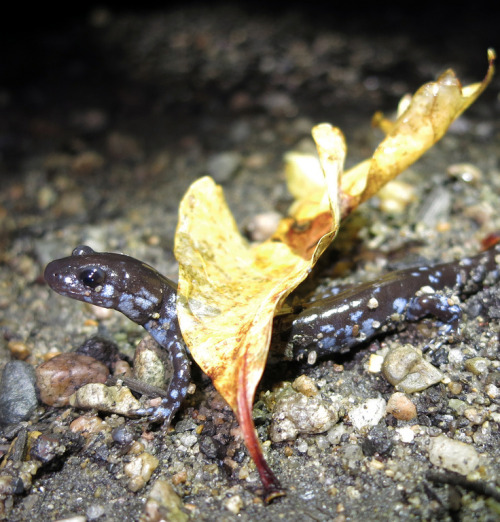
x,y
19,350
378,441
123,147
453,455
17,393
223,166
139,470
87,425
305,385
475,416
163,503
465,171
406,369
262,226
406,434
395,196
58,378
114,399
477,365
455,387
100,349
295,413
401,407
457,405
87,162
368,414
234,504
149,363
95,511
375,363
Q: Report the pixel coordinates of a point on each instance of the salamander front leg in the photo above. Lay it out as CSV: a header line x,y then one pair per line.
x,y
177,388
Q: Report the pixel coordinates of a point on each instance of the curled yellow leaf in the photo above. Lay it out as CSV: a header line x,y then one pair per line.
x,y
421,122
229,291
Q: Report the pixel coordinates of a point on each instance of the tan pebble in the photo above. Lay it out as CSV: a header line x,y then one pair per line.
x,y
139,470
465,171
475,416
401,407
19,350
305,385
163,503
136,449
455,388
115,399
122,369
233,504
179,478
149,364
87,425
263,226
62,375
87,162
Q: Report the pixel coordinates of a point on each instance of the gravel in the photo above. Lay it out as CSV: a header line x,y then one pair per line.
x,y
108,119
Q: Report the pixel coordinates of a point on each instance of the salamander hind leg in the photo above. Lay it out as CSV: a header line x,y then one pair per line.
x,y
441,306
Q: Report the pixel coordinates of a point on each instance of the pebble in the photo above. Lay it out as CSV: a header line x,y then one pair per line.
x,y
405,434
101,349
377,441
234,504
113,399
163,503
368,414
295,413
223,166
18,350
453,455
87,162
465,171
87,426
477,365
305,385
401,407
149,361
406,369
123,147
58,378
262,226
139,470
17,393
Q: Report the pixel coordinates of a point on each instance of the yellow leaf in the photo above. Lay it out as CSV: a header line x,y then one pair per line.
x,y
229,291
421,123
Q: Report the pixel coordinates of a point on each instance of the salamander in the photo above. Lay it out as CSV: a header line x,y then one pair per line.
x,y
142,294
338,323
331,325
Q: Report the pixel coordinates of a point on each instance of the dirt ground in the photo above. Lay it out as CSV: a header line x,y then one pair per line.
x,y
105,122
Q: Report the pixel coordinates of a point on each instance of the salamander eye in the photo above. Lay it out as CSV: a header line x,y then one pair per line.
x,y
92,277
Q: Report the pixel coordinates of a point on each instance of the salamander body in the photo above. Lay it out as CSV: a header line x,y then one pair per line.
x,y
338,323
332,325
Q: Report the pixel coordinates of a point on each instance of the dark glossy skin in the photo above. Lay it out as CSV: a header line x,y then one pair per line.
x,y
338,323
138,291
331,325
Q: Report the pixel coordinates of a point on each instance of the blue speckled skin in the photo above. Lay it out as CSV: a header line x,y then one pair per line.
x,y
332,325
138,291
338,323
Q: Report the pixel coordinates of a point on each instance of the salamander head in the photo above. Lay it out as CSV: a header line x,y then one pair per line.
x,y
111,281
